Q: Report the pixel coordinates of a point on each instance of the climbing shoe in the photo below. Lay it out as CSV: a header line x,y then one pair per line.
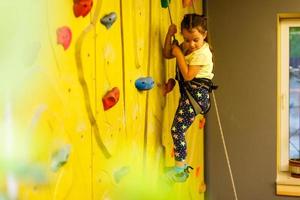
x,y
177,174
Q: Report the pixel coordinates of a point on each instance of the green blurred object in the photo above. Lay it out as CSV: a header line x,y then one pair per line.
x,y
3,197
119,174
165,3
60,157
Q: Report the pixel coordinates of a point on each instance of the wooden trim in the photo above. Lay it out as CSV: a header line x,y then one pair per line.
x,y
285,184
281,16
281,97
278,92
288,190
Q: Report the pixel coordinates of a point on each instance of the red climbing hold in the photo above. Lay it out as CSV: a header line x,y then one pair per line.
x,y
111,98
64,36
82,7
168,87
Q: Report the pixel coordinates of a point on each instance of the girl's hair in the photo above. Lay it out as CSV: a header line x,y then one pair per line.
x,y
193,20
198,22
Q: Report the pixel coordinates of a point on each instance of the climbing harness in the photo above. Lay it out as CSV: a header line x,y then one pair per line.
x,y
225,148
199,83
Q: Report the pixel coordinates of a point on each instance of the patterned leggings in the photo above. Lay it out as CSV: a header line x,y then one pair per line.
x,y
184,117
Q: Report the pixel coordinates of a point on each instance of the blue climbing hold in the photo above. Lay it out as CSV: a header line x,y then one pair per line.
x,y
108,19
144,83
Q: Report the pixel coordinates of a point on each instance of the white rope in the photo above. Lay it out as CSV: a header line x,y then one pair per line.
x,y
225,148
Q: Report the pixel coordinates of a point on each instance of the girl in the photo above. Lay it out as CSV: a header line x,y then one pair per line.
x,y
194,74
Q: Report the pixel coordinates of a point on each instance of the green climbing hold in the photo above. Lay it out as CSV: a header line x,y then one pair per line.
x,y
165,3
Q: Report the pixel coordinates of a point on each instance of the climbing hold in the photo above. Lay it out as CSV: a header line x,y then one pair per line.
x,y
172,153
144,83
82,7
120,173
198,171
111,98
168,87
60,157
186,3
202,187
202,123
64,36
108,19
165,3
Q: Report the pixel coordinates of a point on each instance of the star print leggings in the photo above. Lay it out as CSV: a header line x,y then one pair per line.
x,y
184,117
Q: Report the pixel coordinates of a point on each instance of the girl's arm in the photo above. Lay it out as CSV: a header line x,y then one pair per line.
x,y
188,72
167,50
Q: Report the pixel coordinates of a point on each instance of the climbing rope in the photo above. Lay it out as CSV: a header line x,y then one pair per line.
x,y
169,10
225,148
170,13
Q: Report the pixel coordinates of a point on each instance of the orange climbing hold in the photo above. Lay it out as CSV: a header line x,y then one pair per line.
x,y
172,153
198,171
111,98
186,3
202,188
202,123
82,7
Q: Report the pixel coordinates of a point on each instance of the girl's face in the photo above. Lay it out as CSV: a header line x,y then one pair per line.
x,y
193,39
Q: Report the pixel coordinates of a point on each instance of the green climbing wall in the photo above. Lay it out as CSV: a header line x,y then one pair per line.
x,y
59,143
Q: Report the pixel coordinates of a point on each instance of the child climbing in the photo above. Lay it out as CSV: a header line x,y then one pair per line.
x,y
194,73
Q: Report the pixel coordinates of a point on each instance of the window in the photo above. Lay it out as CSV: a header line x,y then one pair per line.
x,y
288,103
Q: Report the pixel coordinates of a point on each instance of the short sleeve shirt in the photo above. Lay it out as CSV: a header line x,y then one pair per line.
x,y
202,57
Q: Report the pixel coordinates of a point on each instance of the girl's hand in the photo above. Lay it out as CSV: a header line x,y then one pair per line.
x,y
172,30
175,49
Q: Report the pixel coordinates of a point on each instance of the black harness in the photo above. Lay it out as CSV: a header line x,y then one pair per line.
x,y
199,83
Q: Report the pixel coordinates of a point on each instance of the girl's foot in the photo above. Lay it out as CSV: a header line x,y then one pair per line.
x,y
177,174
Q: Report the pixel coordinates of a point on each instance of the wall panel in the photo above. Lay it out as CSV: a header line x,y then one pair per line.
x,y
64,107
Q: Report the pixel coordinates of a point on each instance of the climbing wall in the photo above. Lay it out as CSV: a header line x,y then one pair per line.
x,y
71,145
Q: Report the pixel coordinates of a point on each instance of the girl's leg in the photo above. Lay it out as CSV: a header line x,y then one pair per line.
x,y
184,117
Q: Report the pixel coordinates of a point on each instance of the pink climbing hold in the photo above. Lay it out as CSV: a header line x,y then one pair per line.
x,y
64,36
111,98
82,7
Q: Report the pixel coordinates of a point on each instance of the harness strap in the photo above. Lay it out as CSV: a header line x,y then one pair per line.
x,y
195,105
203,82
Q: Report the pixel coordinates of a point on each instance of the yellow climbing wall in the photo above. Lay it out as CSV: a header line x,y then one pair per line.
x,y
52,112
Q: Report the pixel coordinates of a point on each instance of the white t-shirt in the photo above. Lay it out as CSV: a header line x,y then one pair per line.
x,y
202,57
